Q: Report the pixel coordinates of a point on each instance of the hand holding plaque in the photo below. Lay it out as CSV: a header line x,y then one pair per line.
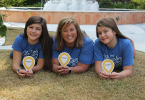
x,y
28,63
64,58
108,65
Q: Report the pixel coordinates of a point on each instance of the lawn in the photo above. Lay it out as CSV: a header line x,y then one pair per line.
x,y
85,86
13,32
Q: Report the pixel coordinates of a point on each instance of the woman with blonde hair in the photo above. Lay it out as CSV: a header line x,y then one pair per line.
x,y
69,38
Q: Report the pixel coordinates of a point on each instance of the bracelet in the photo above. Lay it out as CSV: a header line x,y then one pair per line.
x,y
18,71
100,72
69,70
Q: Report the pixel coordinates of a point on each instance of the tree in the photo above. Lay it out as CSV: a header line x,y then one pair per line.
x,y
3,28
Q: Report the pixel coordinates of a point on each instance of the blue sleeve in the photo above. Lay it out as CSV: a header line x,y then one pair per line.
x,y
98,54
128,54
17,45
55,53
87,52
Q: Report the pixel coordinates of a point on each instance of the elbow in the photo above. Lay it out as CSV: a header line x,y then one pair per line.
x,y
85,68
40,68
130,73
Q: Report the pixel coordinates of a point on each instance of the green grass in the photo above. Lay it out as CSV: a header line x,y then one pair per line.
x,y
13,32
86,86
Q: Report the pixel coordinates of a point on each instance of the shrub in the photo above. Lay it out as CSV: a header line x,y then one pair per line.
x,y
134,4
15,3
131,6
105,4
126,5
31,2
38,4
142,5
3,28
118,5
122,1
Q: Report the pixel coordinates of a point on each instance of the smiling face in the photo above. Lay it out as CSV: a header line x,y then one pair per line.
x,y
107,36
34,32
69,34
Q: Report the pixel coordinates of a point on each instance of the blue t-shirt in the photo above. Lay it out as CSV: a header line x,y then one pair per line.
x,y
21,44
83,55
121,54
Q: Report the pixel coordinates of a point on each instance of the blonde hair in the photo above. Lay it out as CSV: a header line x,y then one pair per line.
x,y
64,23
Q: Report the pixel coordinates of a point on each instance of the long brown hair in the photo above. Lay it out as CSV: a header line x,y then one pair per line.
x,y
45,39
64,23
110,23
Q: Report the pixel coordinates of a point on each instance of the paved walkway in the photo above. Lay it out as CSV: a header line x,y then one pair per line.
x,y
134,31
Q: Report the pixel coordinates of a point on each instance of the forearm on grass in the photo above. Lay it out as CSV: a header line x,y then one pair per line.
x,y
80,68
127,71
39,66
17,56
98,67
